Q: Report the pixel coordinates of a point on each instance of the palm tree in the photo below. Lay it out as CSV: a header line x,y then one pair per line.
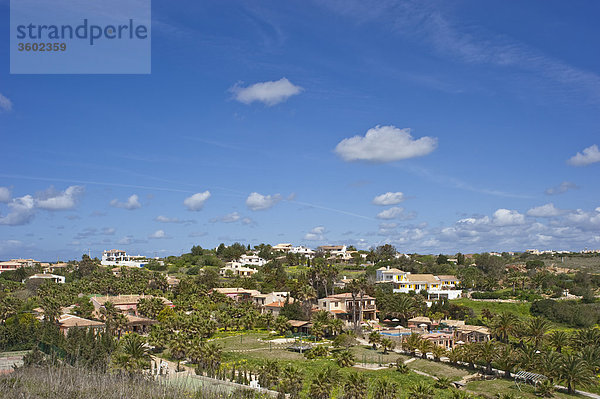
x,y
558,339
345,358
535,330
412,342
507,359
545,389
322,385
385,389
575,371
355,386
132,355
374,339
336,326
503,325
586,337
120,323
591,355
486,352
443,383
425,346
438,351
290,381
178,346
211,359
529,357
550,362
268,373
420,390
387,343
282,325
108,312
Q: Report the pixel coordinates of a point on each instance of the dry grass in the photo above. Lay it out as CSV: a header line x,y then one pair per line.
x,y
76,383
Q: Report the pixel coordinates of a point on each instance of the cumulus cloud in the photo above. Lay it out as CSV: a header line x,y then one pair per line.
x,y
395,212
22,211
389,199
4,194
158,234
5,103
196,201
385,144
588,156
165,219
132,203
507,217
259,202
561,188
544,211
316,234
54,200
269,93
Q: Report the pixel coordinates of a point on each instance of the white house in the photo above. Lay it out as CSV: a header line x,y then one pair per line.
x,y
437,287
286,247
116,257
252,260
301,250
50,277
237,269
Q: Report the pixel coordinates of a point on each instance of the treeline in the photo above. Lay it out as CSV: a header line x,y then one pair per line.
x,y
572,313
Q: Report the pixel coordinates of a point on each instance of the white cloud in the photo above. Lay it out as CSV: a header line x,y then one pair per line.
x,y
158,234
53,200
507,217
544,211
229,218
561,188
131,203
316,234
395,212
4,194
389,198
5,103
269,93
196,201
385,144
259,202
22,210
165,219
588,156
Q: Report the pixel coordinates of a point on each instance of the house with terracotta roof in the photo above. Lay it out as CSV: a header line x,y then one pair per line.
x,y
124,303
237,294
69,321
471,334
343,306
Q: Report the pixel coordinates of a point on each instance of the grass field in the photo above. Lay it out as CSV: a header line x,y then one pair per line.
x,y
521,309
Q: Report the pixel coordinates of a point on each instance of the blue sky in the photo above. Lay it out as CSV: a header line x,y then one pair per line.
x,y
435,126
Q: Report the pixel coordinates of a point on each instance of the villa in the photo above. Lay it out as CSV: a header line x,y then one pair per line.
x,y
342,306
437,287
116,257
124,303
236,269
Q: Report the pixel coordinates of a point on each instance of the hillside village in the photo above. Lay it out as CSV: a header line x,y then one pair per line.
x,y
462,314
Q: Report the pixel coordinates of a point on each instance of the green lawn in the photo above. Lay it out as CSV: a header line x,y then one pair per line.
x,y
521,309
438,369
